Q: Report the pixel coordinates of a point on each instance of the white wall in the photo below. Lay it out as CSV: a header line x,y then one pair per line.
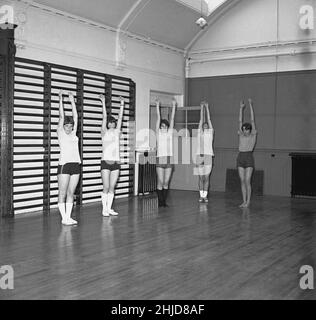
x,y
250,21
247,33
57,39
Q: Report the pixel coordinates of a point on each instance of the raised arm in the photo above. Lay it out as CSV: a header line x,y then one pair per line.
x,y
201,116
104,115
174,104
252,115
61,111
208,116
74,111
241,111
120,118
158,115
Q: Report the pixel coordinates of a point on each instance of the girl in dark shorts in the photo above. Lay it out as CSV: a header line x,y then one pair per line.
x,y
245,162
164,164
69,160
110,163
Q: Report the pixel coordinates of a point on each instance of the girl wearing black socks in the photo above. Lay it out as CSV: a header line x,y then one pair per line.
x,y
164,165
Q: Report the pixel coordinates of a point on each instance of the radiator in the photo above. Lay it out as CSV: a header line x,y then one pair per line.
x,y
146,172
303,174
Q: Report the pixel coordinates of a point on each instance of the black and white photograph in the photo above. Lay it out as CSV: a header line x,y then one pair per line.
x,y
157,151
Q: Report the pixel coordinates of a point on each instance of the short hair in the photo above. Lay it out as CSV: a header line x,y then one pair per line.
x,y
205,123
111,119
166,122
69,120
246,126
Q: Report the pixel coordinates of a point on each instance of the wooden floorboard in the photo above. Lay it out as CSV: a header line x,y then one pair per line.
x,y
187,251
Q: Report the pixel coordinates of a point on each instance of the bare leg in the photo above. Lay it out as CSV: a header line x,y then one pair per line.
x,y
207,169
73,182
242,177
113,180
167,175
206,173
200,182
200,185
105,174
248,185
63,181
160,177
206,186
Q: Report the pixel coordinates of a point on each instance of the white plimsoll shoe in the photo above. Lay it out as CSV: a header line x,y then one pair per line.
x,y
69,222
113,213
105,212
73,221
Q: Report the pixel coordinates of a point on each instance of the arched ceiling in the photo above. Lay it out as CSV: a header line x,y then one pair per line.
x,y
169,22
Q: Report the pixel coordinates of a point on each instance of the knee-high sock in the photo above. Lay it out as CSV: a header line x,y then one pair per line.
x,y
62,210
165,195
160,197
104,197
69,206
110,198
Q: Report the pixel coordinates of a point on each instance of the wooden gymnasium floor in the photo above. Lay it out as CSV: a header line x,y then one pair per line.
x,y
188,251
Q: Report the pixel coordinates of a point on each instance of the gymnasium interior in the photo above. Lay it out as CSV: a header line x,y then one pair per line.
x,y
188,51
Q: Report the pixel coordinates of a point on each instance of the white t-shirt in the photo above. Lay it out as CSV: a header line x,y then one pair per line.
x,y
69,149
205,142
111,145
165,143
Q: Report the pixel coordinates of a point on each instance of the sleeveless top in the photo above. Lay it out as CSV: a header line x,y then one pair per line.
x,y
111,145
205,142
69,149
247,143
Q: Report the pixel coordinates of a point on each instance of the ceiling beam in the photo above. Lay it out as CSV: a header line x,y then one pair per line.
x,y
194,8
120,43
131,15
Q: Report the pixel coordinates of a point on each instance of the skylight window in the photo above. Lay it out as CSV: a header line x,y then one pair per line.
x,y
208,6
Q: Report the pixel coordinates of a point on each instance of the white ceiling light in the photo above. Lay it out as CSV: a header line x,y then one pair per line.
x,y
201,22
